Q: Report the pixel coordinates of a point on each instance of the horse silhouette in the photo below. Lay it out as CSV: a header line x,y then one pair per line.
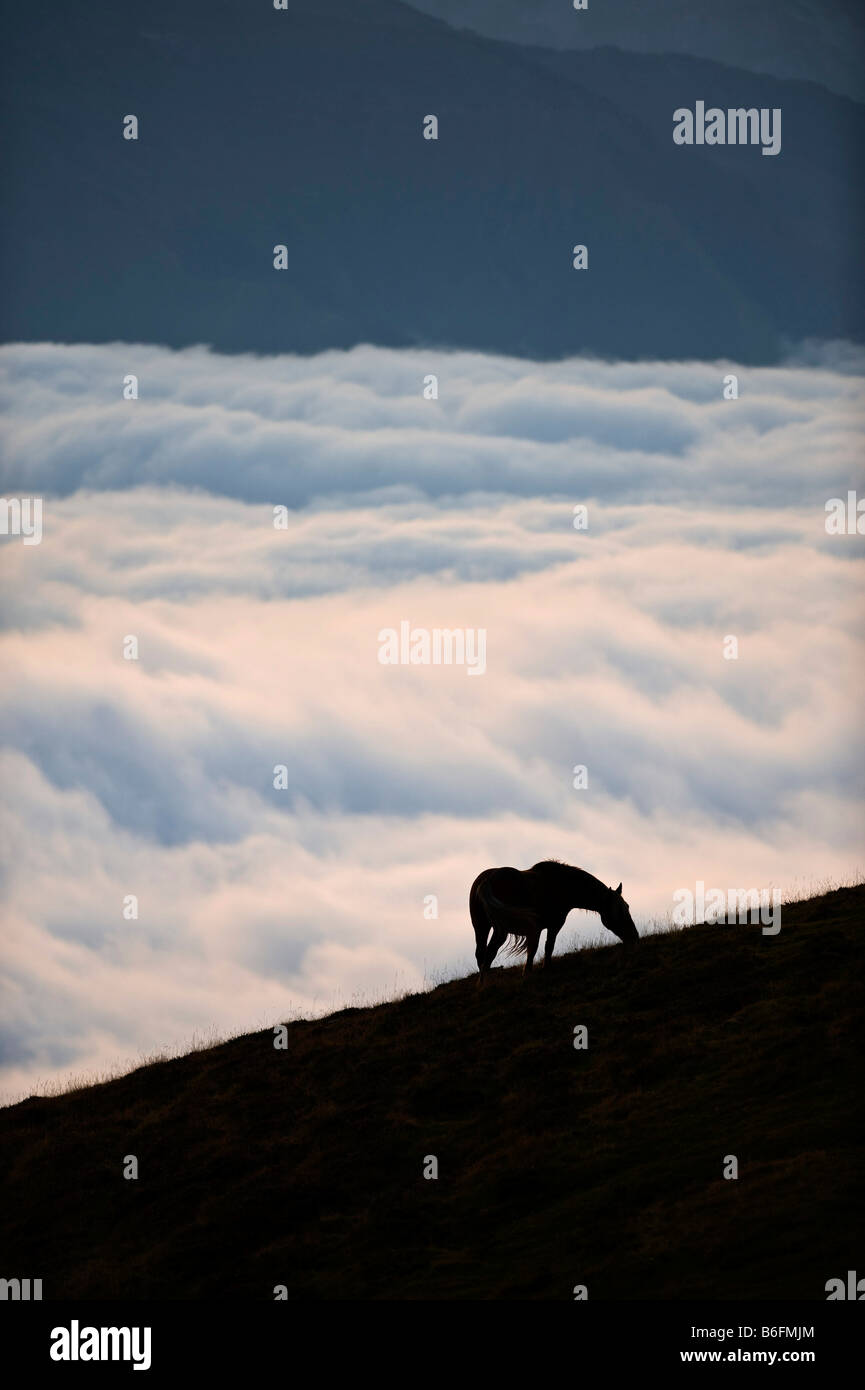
x,y
521,903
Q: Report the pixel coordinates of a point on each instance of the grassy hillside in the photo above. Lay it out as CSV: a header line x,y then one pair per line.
x,y
603,1167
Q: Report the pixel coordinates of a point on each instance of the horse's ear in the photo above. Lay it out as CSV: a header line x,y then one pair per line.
x,y
619,890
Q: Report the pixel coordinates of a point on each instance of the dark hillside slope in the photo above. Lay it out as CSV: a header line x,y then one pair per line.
x,y
557,1167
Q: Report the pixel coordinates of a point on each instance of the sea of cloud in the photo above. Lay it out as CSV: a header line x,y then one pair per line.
x,y
258,647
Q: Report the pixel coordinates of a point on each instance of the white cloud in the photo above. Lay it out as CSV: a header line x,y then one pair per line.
x,y
350,424
259,646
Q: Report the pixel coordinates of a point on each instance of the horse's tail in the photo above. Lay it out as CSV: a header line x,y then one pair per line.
x,y
518,922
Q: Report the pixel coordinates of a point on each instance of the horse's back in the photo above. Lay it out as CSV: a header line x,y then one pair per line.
x,y
500,878
517,888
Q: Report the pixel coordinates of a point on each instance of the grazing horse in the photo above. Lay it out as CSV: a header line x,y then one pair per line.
x,y
523,903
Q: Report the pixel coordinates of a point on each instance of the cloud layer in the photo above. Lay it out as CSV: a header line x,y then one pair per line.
x,y
258,648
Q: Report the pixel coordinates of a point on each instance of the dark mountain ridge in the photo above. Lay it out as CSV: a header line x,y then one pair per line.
x,y
304,128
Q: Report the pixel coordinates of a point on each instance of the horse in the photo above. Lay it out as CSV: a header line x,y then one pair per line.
x,y
521,903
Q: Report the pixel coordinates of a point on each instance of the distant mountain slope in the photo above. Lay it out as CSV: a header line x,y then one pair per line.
x,y
816,40
303,128
557,1166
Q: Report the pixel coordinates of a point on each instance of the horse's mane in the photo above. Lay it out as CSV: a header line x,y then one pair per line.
x,y
571,868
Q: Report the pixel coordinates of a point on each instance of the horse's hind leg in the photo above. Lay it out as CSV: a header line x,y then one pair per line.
x,y
482,926
481,946
531,947
496,941
550,946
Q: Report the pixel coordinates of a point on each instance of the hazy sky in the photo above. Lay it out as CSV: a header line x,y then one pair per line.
x,y
259,647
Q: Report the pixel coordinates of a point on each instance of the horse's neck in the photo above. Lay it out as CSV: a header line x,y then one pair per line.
x,y
583,890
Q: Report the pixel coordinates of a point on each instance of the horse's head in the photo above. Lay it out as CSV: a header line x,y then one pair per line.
x,y
616,917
